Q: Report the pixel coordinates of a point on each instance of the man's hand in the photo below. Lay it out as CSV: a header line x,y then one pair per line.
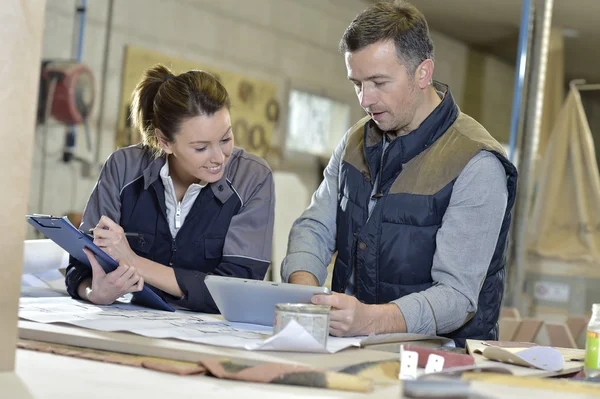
x,y
303,278
110,237
106,288
349,317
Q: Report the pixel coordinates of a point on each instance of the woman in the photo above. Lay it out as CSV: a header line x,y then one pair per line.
x,y
194,204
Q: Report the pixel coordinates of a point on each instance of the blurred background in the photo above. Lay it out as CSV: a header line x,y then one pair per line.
x,y
525,70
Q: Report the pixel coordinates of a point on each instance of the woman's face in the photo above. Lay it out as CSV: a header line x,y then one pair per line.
x,y
202,146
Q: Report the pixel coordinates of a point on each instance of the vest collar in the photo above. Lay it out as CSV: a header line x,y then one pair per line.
x,y
404,148
432,128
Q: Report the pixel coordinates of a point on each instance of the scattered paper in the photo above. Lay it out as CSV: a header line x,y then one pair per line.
x,y
40,256
295,338
194,327
182,325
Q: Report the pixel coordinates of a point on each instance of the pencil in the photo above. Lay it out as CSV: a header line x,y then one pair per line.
x,y
90,233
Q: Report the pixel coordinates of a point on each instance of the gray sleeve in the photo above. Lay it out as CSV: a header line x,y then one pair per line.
x,y
105,199
465,245
250,236
312,239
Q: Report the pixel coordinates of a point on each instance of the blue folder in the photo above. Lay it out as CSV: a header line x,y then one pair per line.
x,y
67,236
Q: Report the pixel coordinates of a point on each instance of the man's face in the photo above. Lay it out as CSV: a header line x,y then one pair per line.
x,y
384,87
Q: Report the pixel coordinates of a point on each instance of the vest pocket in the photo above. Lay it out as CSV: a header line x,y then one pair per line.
x,y
213,247
406,254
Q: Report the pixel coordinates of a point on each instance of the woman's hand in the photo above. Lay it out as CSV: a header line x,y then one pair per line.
x,y
106,288
110,237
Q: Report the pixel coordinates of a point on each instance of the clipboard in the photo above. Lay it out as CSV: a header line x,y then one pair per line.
x,y
72,240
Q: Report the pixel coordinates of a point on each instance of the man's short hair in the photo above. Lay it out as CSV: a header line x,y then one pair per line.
x,y
398,21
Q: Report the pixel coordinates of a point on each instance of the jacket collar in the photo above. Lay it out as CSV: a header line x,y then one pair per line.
x,y
432,128
221,188
404,148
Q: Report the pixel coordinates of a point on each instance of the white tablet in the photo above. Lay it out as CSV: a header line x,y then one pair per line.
x,y
253,301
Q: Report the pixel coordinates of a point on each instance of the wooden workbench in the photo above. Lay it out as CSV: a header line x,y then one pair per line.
x,y
53,376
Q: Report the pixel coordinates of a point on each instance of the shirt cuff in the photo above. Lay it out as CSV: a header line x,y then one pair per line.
x,y
418,315
303,262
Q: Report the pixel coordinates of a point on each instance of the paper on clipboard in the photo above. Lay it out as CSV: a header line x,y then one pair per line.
x,y
43,255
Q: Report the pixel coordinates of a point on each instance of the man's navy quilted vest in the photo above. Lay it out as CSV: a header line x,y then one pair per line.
x,y
392,250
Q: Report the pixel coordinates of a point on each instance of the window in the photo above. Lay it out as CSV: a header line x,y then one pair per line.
x,y
316,124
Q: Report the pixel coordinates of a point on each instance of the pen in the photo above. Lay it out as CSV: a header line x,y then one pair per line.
x,y
90,233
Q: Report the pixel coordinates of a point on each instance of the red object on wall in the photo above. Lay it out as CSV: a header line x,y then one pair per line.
x,y
73,96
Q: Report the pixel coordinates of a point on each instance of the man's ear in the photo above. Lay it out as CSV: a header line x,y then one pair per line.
x,y
424,73
164,143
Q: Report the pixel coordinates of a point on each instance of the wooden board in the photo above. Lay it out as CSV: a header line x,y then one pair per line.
x,y
12,387
21,26
44,375
548,384
187,351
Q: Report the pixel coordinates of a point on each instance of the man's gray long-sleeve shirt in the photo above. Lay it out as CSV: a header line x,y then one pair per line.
x,y
465,243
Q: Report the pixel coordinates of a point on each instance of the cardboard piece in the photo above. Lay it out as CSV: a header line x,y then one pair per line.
x,y
572,358
569,354
541,357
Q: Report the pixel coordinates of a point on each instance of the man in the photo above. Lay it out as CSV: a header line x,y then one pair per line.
x,y
416,199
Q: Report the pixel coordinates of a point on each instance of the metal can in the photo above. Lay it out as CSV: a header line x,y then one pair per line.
x,y
314,319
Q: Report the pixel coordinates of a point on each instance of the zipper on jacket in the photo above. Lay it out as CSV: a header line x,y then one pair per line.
x,y
178,216
378,193
352,266
173,252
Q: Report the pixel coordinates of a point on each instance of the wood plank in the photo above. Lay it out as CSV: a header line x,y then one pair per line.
x,y
508,328
13,387
186,351
44,375
577,324
528,330
507,312
560,335
546,384
21,27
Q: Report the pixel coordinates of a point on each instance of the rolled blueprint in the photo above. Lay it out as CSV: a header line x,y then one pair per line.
x,y
40,256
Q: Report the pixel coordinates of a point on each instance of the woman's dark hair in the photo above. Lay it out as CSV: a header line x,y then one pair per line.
x,y
164,101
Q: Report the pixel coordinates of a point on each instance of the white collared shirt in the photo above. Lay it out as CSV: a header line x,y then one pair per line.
x,y
177,210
